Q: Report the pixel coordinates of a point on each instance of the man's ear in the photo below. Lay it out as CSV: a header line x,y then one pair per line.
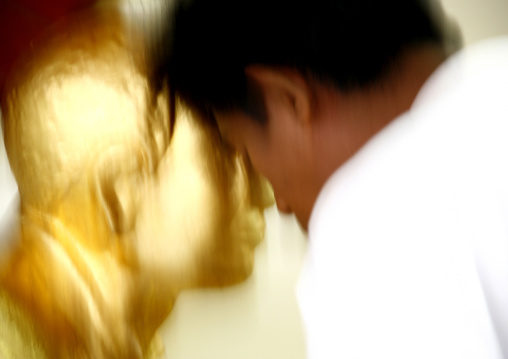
x,y
283,87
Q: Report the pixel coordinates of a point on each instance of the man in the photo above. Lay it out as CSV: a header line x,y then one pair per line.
x,y
393,157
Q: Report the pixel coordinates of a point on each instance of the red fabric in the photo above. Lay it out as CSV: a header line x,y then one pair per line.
x,y
21,21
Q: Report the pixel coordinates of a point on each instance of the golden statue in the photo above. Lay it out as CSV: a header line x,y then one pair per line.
x,y
119,211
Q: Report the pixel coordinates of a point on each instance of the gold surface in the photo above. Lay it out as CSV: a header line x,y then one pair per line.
x,y
116,219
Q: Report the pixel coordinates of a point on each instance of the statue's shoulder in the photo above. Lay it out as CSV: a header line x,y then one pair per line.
x,y
18,335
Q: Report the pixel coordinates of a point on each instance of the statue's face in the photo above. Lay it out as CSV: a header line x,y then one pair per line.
x,y
89,145
201,220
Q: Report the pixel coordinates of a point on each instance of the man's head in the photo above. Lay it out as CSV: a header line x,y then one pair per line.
x,y
270,70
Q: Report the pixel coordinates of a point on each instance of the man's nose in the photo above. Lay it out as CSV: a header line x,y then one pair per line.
x,y
282,205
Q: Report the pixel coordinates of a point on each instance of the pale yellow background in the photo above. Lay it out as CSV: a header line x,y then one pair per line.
x,y
259,319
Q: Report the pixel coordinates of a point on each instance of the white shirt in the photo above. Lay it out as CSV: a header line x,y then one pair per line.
x,y
408,241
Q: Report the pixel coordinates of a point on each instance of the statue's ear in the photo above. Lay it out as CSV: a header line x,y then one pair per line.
x,y
118,187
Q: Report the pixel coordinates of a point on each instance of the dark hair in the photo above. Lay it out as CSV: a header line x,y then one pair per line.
x,y
347,43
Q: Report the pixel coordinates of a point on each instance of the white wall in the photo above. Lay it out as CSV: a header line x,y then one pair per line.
x,y
8,187
479,19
